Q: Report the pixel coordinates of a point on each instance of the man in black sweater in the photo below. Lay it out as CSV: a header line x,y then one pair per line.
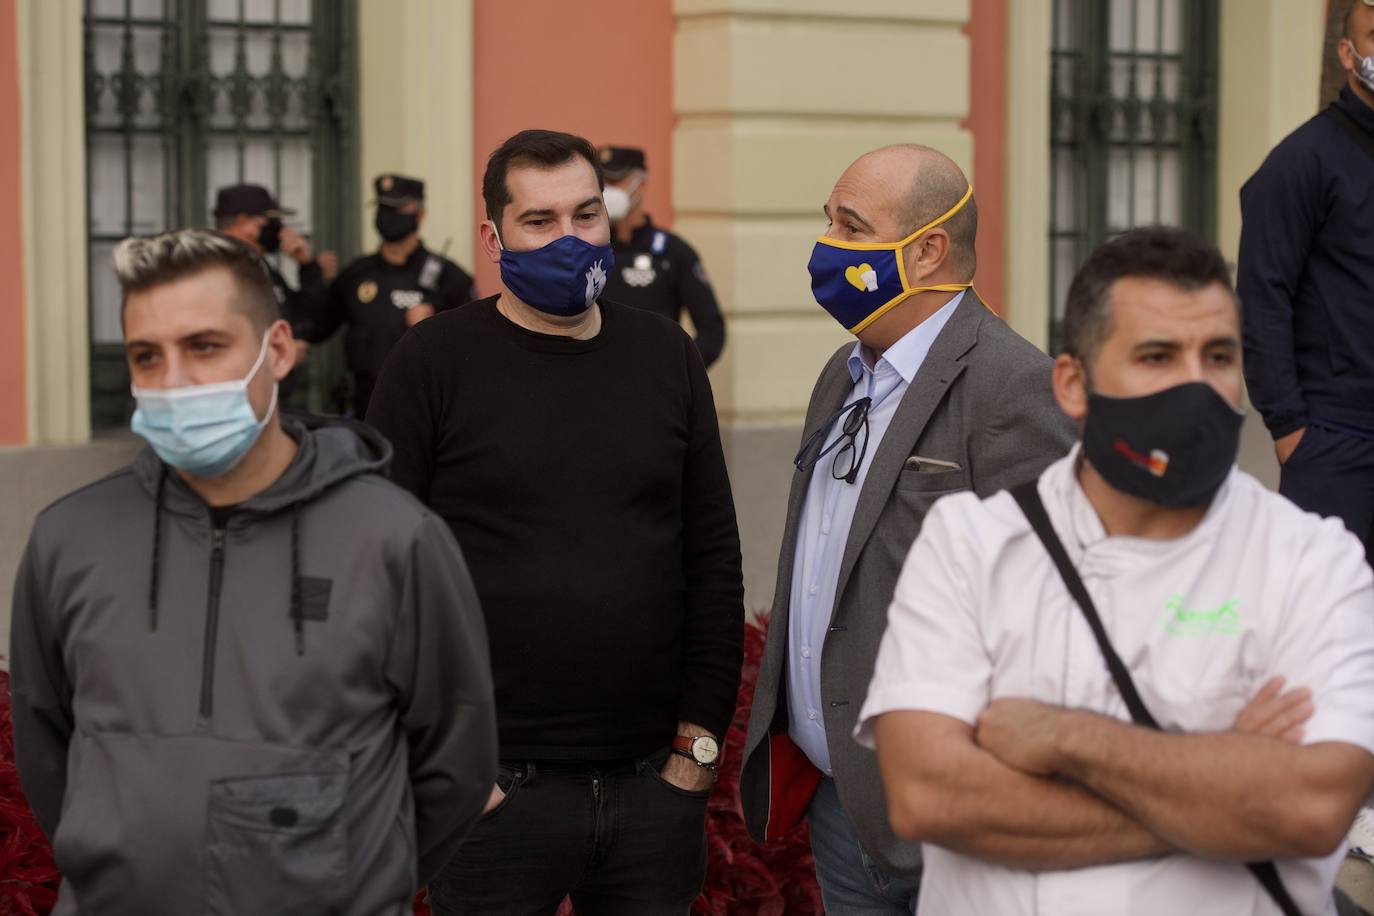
x,y
572,445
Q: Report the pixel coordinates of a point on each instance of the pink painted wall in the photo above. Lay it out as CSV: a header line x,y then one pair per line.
x,y
987,120
12,392
602,69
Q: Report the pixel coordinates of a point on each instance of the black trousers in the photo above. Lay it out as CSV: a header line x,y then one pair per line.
x,y
1331,473
617,838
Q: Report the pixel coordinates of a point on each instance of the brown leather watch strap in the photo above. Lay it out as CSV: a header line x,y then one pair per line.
x,y
683,743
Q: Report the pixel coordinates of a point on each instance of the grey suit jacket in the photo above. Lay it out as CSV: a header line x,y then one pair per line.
x,y
981,399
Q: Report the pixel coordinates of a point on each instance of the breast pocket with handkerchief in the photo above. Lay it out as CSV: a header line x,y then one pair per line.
x,y
927,474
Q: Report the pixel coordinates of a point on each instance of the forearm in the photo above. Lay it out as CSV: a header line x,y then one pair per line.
x,y
1276,236
712,659
1222,796
710,328
713,630
40,747
452,784
975,805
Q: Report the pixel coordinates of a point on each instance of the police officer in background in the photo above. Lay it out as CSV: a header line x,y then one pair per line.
x,y
248,212
380,295
1306,275
654,269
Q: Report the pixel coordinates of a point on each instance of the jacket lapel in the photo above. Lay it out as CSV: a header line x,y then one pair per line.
x,y
942,365
831,389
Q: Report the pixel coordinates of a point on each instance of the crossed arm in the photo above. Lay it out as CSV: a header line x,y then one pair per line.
x,y
1042,788
1219,796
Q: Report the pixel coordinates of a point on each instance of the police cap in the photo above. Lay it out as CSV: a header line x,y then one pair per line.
x,y
619,161
252,199
395,190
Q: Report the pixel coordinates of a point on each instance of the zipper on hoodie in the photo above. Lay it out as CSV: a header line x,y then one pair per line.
x,y
207,671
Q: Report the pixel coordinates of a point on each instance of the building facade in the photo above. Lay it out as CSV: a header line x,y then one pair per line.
x,y
1074,118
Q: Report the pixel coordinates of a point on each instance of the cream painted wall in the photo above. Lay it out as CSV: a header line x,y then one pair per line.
x,y
52,100
766,124
1270,78
416,111
1028,168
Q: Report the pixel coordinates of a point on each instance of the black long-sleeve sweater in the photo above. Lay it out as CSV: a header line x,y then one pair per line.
x,y
586,484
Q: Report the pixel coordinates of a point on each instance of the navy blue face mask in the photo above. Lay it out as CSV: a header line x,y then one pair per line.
x,y
563,278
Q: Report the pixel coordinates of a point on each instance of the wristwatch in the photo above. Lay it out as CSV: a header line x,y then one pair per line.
x,y
701,750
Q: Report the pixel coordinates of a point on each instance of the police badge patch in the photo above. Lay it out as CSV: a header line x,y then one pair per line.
x,y
641,274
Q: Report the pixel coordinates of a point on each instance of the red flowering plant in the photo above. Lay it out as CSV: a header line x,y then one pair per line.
x,y
28,878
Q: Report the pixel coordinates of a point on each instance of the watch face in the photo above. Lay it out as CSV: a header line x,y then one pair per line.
x,y
705,749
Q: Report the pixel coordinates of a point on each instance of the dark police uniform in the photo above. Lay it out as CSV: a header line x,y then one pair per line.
x,y
1305,277
372,295
659,272
298,306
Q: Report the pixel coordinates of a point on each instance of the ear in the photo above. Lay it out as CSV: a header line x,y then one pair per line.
x,y
490,246
1345,50
926,256
281,349
1071,386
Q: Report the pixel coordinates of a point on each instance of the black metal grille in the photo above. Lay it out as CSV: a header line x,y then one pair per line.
x,y
185,96
1133,125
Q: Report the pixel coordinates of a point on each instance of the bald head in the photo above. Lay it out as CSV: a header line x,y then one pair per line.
x,y
906,186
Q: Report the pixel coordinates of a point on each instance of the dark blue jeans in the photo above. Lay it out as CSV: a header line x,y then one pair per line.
x,y
852,884
616,837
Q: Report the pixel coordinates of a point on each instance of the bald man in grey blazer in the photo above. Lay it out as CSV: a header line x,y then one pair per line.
x,y
938,395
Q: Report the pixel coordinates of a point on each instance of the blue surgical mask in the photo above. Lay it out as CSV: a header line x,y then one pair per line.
x,y
563,278
203,430
860,282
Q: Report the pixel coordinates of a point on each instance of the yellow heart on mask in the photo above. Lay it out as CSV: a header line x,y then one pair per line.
x,y
855,276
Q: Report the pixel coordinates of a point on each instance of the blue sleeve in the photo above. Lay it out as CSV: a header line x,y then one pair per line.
x,y
1281,209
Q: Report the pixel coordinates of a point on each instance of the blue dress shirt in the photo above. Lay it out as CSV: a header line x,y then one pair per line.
x,y
823,529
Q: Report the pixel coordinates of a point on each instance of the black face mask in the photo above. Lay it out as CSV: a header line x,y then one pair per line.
x,y
1174,447
269,236
393,225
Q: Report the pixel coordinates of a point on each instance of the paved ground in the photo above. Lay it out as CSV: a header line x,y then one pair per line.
x,y
1357,879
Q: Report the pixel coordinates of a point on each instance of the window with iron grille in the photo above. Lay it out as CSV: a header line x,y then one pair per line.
x,y
1133,125
186,96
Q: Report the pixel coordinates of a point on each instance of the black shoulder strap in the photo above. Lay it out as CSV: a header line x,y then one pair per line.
x,y
1343,118
1027,496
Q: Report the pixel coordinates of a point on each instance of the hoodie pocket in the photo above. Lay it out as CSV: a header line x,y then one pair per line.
x,y
277,844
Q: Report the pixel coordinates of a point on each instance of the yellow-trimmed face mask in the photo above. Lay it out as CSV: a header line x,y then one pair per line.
x,y
859,282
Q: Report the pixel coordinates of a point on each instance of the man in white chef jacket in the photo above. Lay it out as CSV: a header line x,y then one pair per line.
x,y
1004,741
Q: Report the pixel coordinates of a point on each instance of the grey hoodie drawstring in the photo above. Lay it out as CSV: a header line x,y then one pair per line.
x,y
157,550
297,611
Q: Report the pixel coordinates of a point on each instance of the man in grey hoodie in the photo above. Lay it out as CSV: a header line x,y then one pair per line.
x,y
249,675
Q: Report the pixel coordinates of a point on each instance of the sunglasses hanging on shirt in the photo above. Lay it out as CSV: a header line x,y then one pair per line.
x,y
850,457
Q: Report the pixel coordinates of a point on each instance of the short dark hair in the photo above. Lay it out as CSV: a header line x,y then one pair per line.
x,y
1176,256
144,262
541,148
932,196
1347,19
